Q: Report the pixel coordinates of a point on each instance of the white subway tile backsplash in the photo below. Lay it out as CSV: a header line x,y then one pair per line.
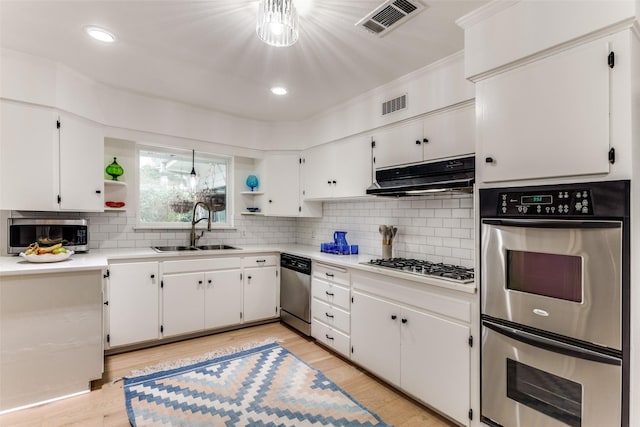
x,y
425,225
438,228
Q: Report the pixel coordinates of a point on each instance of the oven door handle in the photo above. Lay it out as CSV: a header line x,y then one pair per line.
x,y
552,345
553,224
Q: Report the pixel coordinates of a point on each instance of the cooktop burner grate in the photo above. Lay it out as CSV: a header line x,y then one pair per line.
x,y
451,272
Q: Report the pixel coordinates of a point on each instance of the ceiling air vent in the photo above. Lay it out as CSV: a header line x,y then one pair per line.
x,y
395,104
389,15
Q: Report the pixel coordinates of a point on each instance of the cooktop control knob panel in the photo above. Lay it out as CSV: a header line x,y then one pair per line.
x,y
576,202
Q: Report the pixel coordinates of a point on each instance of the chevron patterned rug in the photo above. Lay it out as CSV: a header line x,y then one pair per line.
x,y
263,386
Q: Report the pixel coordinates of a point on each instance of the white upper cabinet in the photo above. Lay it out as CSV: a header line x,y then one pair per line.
x,y
447,133
549,118
450,133
45,168
398,145
281,173
28,157
81,168
337,170
282,176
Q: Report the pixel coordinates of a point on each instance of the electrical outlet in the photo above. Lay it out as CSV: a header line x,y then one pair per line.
x,y
313,234
244,233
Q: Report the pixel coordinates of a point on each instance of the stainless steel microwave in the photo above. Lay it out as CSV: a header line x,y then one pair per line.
x,y
72,233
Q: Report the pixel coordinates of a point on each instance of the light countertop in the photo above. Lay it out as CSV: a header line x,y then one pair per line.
x,y
100,259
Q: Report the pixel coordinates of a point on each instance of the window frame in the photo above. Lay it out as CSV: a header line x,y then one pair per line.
x,y
202,225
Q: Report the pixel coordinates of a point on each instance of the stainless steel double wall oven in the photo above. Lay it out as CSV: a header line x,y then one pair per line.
x,y
555,305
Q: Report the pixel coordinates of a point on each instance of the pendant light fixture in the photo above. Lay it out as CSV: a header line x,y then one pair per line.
x,y
277,22
193,169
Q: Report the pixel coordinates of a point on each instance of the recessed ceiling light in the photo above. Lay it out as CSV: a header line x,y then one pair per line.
x,y
100,34
279,90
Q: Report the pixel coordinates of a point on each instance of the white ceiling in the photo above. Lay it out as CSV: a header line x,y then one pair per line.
x,y
206,53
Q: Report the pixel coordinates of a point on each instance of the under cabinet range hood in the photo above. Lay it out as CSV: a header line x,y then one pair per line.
x,y
456,174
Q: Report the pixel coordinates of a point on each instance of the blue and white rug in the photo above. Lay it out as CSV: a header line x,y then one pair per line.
x,y
263,386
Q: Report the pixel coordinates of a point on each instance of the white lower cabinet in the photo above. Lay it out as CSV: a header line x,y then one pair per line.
x,y
182,303
194,299
222,298
261,288
133,302
397,337
331,318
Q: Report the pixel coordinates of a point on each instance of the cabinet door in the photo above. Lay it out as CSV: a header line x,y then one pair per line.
x,y
281,175
352,167
435,360
549,118
318,172
81,168
260,293
223,298
450,133
398,145
133,303
28,157
375,336
182,303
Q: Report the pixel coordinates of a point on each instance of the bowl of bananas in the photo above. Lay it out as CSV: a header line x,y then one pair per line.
x,y
53,253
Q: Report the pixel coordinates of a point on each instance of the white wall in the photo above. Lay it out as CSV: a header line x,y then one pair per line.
x,y
125,114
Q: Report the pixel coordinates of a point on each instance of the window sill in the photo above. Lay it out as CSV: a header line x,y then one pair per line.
x,y
185,227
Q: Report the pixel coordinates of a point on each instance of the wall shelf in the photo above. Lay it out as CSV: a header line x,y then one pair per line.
x,y
112,182
251,213
252,193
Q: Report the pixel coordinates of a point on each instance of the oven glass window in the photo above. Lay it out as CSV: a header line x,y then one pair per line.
x,y
550,394
550,275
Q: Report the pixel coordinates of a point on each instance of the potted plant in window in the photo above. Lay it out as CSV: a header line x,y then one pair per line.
x,y
181,203
215,198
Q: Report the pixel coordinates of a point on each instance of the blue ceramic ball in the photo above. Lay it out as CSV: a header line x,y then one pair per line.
x,y
252,182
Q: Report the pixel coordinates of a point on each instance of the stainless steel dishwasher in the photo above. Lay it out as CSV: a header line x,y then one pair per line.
x,y
295,292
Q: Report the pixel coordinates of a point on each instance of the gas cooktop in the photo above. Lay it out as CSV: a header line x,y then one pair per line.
x,y
454,273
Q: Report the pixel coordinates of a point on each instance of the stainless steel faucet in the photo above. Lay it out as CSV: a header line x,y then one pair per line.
x,y
192,241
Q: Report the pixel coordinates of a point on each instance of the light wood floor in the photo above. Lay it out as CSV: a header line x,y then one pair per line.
x,y
104,406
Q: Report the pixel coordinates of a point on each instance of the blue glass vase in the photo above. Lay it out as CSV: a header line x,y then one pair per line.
x,y
252,182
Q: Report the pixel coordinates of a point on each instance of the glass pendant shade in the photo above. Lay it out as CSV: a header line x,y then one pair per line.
x,y
277,22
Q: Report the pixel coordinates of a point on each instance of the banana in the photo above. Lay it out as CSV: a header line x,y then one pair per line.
x,y
49,249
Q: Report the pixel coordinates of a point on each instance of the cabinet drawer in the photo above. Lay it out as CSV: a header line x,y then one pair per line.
x,y
330,293
332,274
259,261
332,316
332,338
193,265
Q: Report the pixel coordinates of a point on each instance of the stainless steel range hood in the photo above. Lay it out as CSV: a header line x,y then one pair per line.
x,y
456,174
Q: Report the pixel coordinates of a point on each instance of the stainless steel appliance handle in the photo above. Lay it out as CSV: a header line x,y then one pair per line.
x,y
552,224
551,345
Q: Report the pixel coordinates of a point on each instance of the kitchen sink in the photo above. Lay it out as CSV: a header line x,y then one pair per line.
x,y
215,247
191,248
173,248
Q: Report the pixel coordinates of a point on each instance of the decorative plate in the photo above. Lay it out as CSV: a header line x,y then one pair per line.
x,y
46,257
114,204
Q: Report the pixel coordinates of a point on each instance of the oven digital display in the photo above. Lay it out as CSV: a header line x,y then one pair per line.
x,y
549,275
543,199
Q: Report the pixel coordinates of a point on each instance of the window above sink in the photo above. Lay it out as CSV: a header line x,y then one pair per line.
x,y
168,191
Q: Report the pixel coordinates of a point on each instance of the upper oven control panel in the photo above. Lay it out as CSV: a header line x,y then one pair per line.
x,y
553,203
